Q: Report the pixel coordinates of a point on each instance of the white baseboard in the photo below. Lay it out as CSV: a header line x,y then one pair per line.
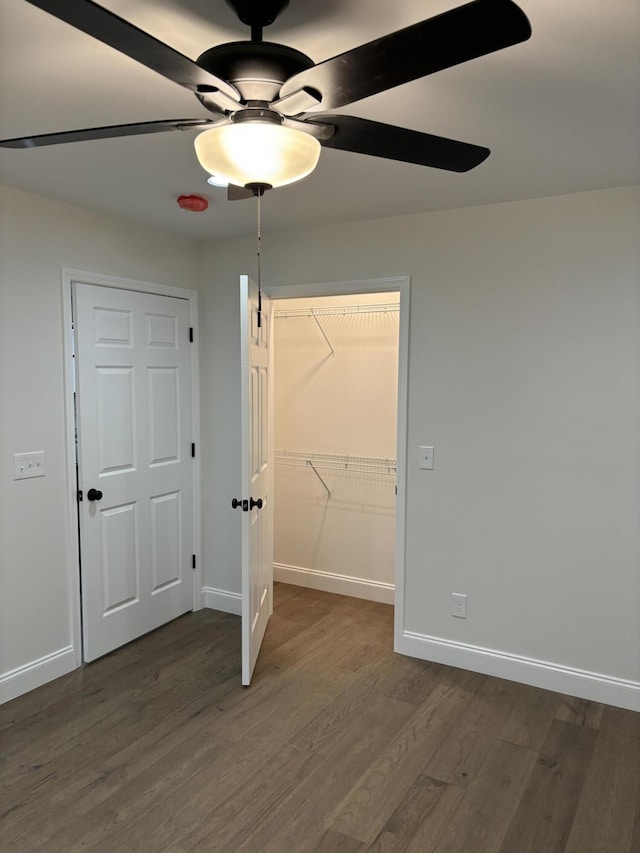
x,y
550,676
340,584
36,673
222,599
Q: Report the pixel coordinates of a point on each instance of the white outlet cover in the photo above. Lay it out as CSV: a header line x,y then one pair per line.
x,y
458,605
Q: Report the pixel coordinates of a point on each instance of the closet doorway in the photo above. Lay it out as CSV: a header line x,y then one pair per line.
x,y
340,362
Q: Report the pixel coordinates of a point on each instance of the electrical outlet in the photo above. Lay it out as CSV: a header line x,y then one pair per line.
x,y
459,605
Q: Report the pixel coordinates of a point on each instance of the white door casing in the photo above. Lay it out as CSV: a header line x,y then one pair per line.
x,y
257,472
135,431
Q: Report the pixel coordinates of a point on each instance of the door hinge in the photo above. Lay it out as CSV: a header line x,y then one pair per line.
x,y
193,450
193,561
191,334
80,494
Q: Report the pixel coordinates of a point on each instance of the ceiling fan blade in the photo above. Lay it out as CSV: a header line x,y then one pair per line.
x,y
235,193
105,132
103,25
459,35
398,143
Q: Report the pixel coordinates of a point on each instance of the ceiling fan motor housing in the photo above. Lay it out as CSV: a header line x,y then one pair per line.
x,y
258,13
257,70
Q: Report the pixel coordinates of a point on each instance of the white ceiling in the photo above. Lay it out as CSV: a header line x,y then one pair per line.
x,y
560,112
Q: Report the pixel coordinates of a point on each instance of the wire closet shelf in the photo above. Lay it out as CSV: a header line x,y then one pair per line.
x,y
329,310
338,462
336,310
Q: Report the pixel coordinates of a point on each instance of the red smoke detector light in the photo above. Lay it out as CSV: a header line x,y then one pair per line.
x,y
195,203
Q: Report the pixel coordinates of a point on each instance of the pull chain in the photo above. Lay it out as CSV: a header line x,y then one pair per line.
x,y
259,211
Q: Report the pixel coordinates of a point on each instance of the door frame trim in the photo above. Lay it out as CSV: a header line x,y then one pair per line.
x,y
401,285
69,278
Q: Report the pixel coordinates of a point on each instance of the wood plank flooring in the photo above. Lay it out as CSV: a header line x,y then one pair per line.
x,y
339,746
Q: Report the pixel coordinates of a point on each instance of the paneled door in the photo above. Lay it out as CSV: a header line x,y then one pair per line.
x,y
135,467
257,472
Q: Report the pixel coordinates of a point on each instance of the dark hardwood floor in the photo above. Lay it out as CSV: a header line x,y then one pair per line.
x,y
339,746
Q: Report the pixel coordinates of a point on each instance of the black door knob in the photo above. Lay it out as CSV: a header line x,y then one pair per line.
x,y
94,495
240,504
257,503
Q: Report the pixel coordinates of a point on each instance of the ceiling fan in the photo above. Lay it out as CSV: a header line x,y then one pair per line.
x,y
269,102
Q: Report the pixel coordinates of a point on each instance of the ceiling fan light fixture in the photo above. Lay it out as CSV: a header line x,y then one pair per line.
x,y
257,152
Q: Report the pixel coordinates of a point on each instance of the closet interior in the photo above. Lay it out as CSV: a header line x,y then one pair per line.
x,y
336,375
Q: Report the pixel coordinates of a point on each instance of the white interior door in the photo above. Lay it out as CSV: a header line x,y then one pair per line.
x,y
257,473
134,418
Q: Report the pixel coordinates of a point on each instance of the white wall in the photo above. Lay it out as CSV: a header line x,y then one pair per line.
x,y
524,374
39,237
342,403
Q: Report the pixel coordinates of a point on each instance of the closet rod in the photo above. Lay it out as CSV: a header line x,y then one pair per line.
x,y
381,308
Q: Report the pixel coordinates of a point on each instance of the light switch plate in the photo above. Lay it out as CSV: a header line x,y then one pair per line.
x,y
27,465
426,458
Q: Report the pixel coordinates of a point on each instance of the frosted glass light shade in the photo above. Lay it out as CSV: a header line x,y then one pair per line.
x,y
257,152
